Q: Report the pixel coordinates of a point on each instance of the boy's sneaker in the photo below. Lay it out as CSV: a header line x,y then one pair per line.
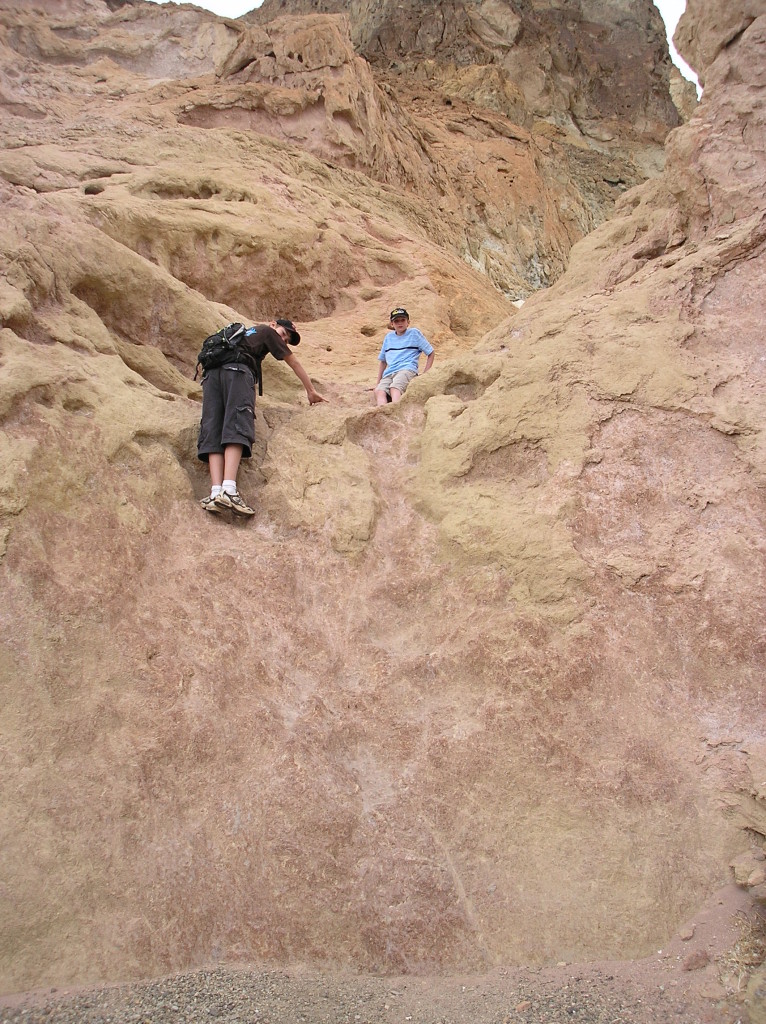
x,y
234,502
209,505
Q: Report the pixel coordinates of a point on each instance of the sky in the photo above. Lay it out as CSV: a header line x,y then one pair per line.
x,y
671,11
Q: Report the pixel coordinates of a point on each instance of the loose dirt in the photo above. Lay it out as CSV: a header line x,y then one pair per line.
x,y
695,980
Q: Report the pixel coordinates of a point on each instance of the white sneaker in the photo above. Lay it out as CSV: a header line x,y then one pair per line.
x,y
235,503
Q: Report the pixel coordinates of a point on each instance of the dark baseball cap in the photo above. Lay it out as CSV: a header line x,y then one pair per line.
x,y
290,326
399,311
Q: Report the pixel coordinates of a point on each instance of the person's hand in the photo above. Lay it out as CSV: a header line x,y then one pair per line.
x,y
315,397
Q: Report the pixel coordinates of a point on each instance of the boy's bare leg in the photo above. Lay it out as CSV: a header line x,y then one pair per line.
x,y
381,398
215,465
232,456
396,395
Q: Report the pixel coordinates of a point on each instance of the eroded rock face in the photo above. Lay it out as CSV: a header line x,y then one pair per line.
x,y
704,30
599,69
482,681
479,102
481,176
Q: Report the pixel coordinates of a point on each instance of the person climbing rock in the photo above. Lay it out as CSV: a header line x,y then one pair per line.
x,y
227,426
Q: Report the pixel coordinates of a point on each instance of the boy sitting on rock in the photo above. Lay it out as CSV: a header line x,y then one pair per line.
x,y
399,357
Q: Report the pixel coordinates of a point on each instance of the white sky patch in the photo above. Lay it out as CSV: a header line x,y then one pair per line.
x,y
671,11
223,8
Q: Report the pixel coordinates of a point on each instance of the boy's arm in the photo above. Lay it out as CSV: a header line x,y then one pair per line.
x,y
313,395
429,362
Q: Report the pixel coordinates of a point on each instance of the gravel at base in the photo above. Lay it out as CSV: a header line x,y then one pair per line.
x,y
227,996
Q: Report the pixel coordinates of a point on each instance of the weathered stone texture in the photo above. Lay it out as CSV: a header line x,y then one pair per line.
x,y
482,682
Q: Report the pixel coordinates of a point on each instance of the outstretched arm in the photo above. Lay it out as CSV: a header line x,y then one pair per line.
x,y
313,395
429,362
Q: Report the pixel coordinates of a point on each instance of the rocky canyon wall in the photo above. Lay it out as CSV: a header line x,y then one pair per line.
x,y
482,681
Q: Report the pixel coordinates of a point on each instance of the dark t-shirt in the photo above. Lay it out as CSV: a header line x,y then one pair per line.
x,y
257,346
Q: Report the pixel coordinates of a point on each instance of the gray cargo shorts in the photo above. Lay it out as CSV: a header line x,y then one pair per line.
x,y
228,410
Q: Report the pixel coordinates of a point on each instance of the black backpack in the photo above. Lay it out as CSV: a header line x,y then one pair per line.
x,y
220,348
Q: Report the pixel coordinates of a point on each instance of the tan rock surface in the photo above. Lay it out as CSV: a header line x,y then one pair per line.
x,y
705,30
482,682
598,69
756,996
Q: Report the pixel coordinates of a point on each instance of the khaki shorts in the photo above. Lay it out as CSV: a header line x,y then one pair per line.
x,y
398,380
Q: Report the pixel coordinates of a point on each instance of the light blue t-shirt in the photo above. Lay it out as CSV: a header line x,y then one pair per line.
x,y
402,351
